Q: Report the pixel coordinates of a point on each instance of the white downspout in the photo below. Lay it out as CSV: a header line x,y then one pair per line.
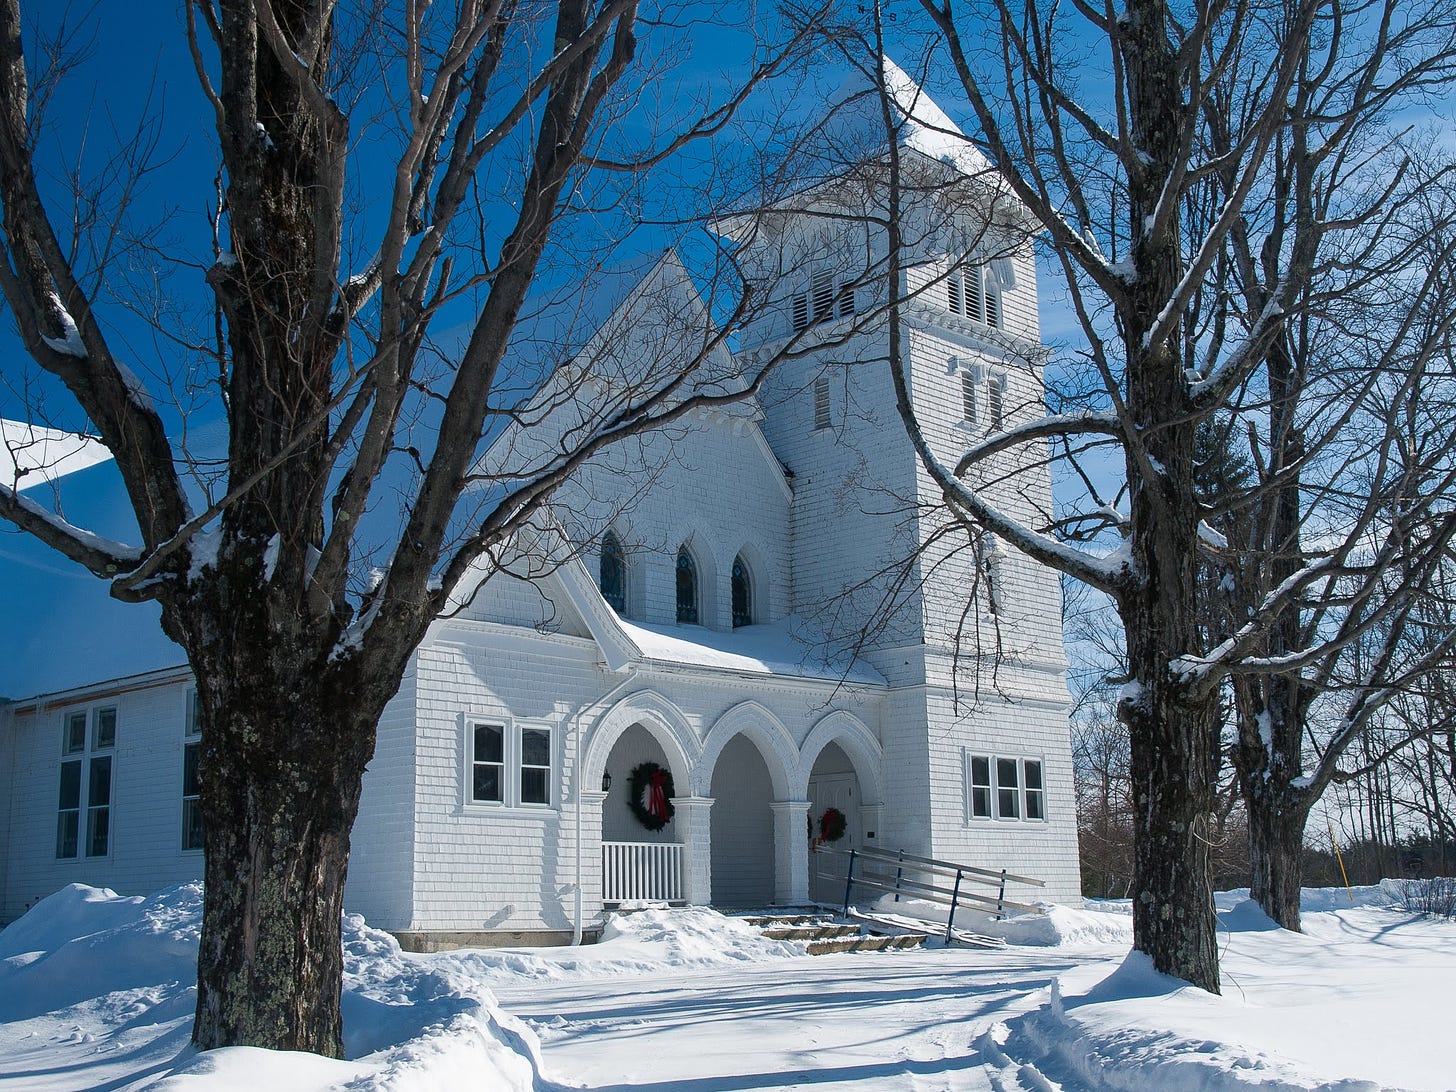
x,y
575,721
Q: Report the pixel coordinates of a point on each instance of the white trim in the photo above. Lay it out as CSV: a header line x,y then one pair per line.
x,y
106,688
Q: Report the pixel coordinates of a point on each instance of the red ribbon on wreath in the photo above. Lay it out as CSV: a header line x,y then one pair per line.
x,y
657,796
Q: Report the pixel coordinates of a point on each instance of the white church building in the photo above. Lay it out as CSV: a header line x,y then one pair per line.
x,y
762,606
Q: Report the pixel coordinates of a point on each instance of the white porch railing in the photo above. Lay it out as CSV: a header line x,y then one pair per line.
x,y
642,872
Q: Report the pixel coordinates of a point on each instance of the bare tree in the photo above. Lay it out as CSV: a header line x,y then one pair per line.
x,y
381,174
1120,185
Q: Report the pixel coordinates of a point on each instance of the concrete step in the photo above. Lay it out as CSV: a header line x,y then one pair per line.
x,y
866,943
818,930
823,935
773,920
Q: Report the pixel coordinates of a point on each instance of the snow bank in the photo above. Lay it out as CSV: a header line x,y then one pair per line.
x,y
642,942
1352,1004
84,942
91,979
1055,926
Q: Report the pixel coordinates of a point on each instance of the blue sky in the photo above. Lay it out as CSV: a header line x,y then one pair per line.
x,y
58,625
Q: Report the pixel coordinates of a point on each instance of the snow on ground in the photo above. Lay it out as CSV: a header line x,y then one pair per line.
x,y
96,992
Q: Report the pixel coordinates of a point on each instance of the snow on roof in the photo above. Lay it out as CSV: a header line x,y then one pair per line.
x,y
770,649
31,455
921,124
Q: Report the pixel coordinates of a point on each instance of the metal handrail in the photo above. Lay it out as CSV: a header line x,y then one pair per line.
x,y
897,856
954,897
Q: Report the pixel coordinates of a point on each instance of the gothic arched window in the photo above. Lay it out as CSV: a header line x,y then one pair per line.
x,y
742,593
613,573
687,588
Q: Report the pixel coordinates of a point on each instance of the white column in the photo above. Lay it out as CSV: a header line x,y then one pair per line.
x,y
791,851
690,817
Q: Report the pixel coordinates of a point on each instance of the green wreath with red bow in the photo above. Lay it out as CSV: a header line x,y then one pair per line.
x,y
649,795
831,825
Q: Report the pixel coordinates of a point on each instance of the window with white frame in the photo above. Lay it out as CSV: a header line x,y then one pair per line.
x,y
511,765
978,778
996,400
86,769
970,398
1006,788
191,785
979,409
612,573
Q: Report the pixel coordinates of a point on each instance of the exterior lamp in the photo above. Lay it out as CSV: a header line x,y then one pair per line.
x,y
606,781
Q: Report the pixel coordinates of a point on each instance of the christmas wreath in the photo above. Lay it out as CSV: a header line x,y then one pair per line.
x,y
831,825
649,795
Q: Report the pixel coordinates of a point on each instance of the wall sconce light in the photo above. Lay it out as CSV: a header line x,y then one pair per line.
x,y
606,781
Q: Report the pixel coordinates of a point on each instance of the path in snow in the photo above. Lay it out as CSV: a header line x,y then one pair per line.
x,y
855,1021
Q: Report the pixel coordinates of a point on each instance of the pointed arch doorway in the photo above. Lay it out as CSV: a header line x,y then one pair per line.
x,y
833,783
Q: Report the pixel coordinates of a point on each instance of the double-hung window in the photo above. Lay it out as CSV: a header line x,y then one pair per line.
x,y
511,765
1007,788
83,812
191,786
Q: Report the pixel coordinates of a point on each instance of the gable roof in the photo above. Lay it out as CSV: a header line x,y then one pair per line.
x,y
654,336
857,124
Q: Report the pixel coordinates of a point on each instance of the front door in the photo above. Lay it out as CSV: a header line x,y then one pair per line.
x,y
826,870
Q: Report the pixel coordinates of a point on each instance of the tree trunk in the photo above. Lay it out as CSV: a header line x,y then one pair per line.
x,y
1276,842
287,728
1174,765
271,957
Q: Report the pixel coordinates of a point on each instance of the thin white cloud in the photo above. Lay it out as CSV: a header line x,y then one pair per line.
x,y
31,455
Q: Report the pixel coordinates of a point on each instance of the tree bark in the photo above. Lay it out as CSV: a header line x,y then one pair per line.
x,y
1276,841
1171,721
287,731
1174,744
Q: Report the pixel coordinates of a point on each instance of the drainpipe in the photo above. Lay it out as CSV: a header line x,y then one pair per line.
x,y
575,721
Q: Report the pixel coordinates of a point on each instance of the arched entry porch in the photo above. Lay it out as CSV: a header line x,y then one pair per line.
x,y
756,823
643,862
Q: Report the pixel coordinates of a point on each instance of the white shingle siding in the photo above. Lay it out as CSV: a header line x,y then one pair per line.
x,y
145,844
381,864
824,515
